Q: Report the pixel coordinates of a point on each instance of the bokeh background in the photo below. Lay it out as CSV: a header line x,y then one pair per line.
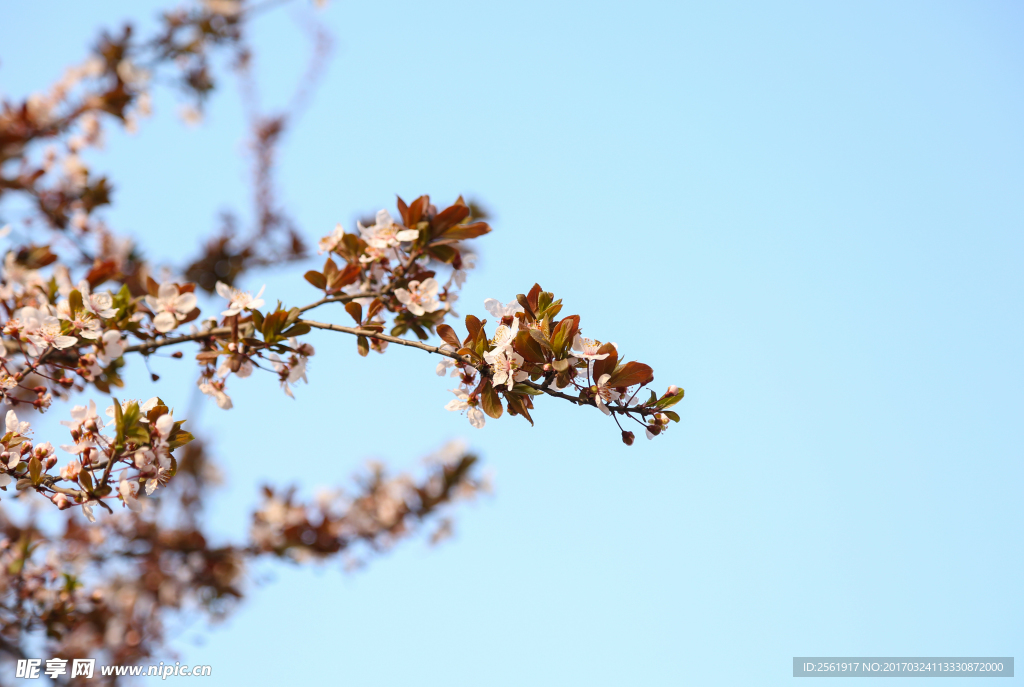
x,y
808,215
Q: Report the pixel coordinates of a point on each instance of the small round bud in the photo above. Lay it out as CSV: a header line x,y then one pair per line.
x,y
61,501
627,438
50,461
654,429
177,354
673,390
154,376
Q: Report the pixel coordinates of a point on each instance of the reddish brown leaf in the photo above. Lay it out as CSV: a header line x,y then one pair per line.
x,y
632,373
403,210
518,405
449,336
490,402
532,296
472,326
417,210
463,232
606,366
375,306
526,346
345,277
316,279
448,218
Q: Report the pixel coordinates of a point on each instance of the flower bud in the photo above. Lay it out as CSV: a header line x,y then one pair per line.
x,y
627,438
654,429
177,354
50,461
672,390
61,501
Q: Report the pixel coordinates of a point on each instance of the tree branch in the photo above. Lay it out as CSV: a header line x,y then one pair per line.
x,y
149,346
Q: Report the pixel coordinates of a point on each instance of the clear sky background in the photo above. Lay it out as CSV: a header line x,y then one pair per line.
x,y
809,215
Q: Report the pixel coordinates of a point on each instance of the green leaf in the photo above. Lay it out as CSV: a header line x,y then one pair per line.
x,y
672,415
363,344
298,330
539,337
561,338
443,253
75,301
528,390
669,401
179,439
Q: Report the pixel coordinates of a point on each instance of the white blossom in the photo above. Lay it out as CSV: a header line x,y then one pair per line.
x,y
420,297
447,363
588,348
128,490
505,335
100,304
14,426
605,394
386,233
110,347
496,308
331,241
239,300
170,306
461,403
215,388
144,409
505,364
48,334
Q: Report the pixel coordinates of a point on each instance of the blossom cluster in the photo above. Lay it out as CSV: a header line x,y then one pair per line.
x,y
62,336
533,352
138,439
110,588
79,303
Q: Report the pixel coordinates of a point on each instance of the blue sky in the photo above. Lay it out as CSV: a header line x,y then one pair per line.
x,y
807,215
